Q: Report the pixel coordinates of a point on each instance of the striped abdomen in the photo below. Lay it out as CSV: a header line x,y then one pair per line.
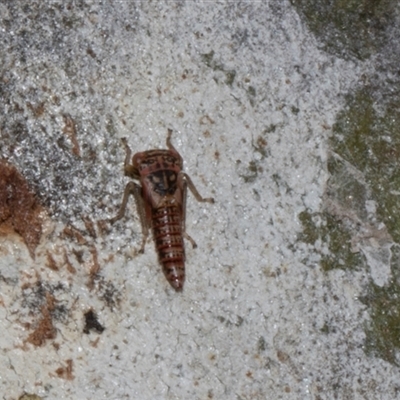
x,y
167,232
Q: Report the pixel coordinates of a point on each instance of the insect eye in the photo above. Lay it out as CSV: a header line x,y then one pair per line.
x,y
170,159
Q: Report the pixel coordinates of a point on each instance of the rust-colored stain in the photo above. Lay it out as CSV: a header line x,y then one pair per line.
x,y
94,268
66,372
71,269
74,234
19,207
51,262
45,329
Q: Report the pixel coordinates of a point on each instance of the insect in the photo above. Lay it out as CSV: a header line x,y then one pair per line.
x,y
161,203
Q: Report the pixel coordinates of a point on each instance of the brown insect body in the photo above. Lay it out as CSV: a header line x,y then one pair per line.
x,y
161,202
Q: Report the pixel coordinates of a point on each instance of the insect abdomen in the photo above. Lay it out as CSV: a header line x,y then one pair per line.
x,y
167,232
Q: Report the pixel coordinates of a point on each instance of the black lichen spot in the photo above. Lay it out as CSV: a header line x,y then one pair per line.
x,y
92,323
109,293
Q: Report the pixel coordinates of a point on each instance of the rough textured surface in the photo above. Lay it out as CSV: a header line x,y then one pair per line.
x,y
287,291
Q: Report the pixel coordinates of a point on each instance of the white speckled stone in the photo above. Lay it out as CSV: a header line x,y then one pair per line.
x,y
249,323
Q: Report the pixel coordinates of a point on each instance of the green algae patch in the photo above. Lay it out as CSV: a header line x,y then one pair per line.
x,y
363,189
347,190
383,331
334,238
363,192
368,141
348,28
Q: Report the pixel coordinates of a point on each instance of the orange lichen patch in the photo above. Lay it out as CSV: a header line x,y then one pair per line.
x,y
70,130
45,329
66,372
19,208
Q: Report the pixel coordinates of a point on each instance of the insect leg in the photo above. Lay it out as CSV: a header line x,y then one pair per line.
x,y
129,189
195,192
129,169
186,177
171,146
144,221
183,184
128,152
134,189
